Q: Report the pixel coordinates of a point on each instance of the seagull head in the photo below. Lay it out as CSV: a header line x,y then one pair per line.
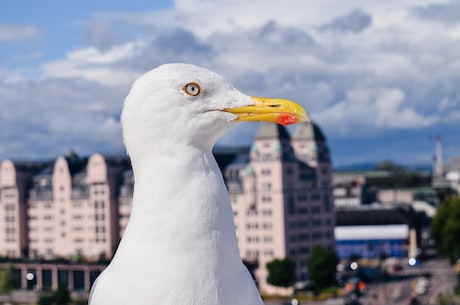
x,y
186,104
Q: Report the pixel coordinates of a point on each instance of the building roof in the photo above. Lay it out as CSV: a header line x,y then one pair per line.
x,y
372,232
75,162
272,131
376,215
309,131
29,166
229,155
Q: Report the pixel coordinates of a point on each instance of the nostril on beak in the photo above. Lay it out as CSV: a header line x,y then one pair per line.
x,y
275,106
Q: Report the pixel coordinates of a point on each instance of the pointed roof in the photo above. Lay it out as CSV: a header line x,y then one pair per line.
x,y
309,131
272,131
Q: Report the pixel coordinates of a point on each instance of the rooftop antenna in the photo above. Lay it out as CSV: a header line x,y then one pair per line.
x,y
438,166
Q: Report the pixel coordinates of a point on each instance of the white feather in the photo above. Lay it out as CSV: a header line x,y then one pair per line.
x,y
179,247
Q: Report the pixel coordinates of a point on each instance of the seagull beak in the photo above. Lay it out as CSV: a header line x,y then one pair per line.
x,y
273,110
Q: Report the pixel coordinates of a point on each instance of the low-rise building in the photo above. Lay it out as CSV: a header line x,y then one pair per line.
x,y
375,231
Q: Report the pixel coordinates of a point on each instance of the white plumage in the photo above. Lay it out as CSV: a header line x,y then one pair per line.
x,y
179,247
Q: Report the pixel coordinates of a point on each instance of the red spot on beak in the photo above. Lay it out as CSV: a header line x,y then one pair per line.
x,y
287,119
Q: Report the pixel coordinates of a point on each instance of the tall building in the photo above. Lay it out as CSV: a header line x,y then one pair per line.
x,y
281,196
14,186
67,209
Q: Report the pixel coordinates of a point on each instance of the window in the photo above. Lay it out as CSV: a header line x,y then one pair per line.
x,y
266,185
266,212
316,235
268,252
291,206
316,222
315,210
99,204
304,250
315,196
266,172
266,199
267,225
302,197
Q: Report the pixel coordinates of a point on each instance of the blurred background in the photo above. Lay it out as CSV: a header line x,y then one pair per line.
x,y
376,176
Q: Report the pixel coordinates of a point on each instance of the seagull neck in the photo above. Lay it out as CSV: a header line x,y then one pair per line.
x,y
179,197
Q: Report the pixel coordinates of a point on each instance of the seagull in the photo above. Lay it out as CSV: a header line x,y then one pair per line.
x,y
180,246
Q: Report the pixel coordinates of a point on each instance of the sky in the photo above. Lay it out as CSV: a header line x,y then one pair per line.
x,y
381,78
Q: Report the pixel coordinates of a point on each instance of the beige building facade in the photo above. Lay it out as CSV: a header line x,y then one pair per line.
x,y
67,208
282,198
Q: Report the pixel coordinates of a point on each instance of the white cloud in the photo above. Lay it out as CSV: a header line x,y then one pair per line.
x,y
359,67
96,65
374,109
17,32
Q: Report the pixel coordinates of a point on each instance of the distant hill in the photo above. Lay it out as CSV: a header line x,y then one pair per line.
x,y
372,165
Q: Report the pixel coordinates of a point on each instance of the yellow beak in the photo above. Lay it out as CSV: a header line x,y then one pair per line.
x,y
273,110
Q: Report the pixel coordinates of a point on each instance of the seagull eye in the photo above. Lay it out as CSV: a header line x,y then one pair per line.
x,y
192,89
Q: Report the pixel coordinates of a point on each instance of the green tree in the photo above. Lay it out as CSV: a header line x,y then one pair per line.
x,y
281,272
58,297
45,299
445,228
61,296
322,267
6,280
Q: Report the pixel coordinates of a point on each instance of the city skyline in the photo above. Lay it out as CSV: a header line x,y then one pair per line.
x,y
378,77
280,192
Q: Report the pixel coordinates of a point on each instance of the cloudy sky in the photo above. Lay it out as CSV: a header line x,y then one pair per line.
x,y
381,78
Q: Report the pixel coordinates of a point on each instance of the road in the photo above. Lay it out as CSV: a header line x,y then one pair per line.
x,y
398,289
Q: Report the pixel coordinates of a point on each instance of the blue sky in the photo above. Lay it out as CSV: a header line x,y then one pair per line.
x,y
379,77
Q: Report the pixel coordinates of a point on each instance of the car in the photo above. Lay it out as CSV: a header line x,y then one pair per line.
x,y
355,285
352,299
421,286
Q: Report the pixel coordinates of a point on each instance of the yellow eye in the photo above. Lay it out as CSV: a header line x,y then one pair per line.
x,y
192,89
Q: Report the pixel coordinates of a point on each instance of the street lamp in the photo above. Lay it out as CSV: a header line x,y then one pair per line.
x,y
30,277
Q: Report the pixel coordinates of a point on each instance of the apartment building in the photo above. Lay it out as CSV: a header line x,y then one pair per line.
x,y
68,208
14,184
281,195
